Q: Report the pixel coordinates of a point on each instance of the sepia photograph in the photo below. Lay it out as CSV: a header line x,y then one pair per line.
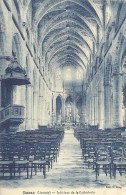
x,y
63,97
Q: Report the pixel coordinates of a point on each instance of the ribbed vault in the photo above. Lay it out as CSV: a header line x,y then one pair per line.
x,y
68,31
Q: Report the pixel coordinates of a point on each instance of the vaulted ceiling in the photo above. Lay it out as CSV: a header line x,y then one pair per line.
x,y
67,30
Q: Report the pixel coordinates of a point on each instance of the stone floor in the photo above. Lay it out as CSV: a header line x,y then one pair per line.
x,y
69,172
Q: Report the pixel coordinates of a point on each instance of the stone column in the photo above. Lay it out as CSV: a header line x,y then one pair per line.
x,y
124,118
63,110
45,115
0,93
92,111
46,112
100,107
40,109
22,101
35,105
50,108
53,110
107,105
117,101
28,107
87,109
96,108
74,114
43,111
83,117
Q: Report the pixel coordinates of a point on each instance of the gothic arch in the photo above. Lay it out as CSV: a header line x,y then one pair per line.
x,y
59,95
69,98
58,108
69,109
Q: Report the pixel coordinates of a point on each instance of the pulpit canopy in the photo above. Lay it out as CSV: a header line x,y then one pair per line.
x,y
15,74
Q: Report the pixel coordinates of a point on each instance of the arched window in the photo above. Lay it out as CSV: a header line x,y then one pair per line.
x,y
68,76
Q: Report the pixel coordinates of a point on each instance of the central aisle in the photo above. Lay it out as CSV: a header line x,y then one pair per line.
x,y
69,171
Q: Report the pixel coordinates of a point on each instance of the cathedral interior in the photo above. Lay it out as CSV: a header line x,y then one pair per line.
x,y
62,70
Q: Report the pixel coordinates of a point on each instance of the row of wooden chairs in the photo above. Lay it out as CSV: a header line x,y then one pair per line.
x,y
107,152
26,153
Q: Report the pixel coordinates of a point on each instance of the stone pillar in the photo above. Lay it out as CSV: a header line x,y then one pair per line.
x,y
43,111
96,108
100,108
28,107
46,112
92,110
87,109
74,114
117,101
53,110
124,118
21,92
83,117
0,93
107,105
45,115
63,110
40,109
111,107
50,108
35,106
43,104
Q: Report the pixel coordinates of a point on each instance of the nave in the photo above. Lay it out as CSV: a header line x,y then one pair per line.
x,y
69,172
62,62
